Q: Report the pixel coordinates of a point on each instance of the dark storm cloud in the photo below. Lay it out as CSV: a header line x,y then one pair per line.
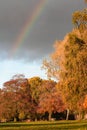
x,y
53,23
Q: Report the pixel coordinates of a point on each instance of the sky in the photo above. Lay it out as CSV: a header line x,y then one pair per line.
x,y
28,29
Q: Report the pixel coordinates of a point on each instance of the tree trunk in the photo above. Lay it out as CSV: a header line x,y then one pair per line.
x,y
50,113
80,116
67,114
15,119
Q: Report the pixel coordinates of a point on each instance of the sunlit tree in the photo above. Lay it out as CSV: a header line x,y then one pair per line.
x,y
68,64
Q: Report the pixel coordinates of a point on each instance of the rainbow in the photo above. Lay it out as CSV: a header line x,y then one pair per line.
x,y
26,29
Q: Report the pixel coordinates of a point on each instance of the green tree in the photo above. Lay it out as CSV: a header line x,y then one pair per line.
x,y
35,87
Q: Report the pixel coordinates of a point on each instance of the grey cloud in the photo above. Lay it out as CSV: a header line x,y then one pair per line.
x,y
53,23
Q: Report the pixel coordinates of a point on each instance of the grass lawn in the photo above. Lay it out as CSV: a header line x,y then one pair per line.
x,y
55,125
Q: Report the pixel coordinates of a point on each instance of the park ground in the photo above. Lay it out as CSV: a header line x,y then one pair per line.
x,y
45,125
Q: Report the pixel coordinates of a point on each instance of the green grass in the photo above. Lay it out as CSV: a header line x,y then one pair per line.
x,y
55,125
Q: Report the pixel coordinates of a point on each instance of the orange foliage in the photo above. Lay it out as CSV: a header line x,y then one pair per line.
x,y
85,102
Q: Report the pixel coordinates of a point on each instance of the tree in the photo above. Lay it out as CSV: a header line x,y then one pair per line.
x,y
35,87
35,84
85,102
68,64
50,100
20,101
80,19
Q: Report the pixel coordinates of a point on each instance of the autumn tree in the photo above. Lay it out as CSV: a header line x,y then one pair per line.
x,y
68,63
20,101
80,19
85,103
35,87
2,114
35,84
8,106
50,100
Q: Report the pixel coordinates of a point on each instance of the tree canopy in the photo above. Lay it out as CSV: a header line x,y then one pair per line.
x,y
68,63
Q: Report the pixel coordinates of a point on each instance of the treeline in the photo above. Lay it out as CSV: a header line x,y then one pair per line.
x,y
33,99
